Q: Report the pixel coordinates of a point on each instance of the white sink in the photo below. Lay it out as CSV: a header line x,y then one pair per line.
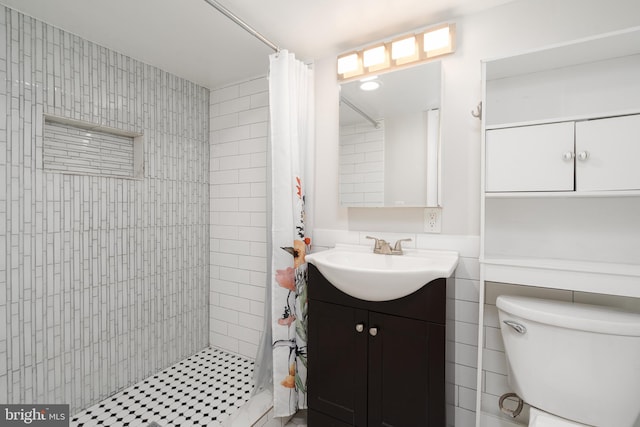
x,y
358,272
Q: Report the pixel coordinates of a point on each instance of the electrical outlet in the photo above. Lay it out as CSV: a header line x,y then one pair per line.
x,y
432,220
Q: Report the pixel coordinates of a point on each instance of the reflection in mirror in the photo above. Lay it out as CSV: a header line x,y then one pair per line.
x,y
389,139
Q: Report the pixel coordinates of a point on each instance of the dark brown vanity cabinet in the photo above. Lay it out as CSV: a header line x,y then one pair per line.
x,y
376,363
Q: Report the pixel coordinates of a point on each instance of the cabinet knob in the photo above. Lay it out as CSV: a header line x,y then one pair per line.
x,y
567,156
583,155
373,331
360,327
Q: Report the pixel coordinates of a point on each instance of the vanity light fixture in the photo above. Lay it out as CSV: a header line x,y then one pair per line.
x,y
350,65
404,50
437,42
375,58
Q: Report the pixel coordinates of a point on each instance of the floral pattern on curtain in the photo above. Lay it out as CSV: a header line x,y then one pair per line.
x,y
294,313
291,126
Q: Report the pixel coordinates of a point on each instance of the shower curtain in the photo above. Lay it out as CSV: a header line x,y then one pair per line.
x,y
291,125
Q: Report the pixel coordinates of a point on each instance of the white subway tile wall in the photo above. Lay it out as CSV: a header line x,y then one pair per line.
x,y
238,215
362,165
103,281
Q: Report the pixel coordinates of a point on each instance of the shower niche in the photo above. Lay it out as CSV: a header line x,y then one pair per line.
x,y
376,363
77,147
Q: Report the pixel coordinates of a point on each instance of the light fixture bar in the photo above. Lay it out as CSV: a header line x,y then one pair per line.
x,y
403,48
436,39
348,63
374,56
400,52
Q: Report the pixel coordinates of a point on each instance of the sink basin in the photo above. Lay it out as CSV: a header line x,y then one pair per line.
x,y
358,272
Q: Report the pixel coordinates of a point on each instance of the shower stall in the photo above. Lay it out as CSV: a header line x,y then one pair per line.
x,y
104,217
105,242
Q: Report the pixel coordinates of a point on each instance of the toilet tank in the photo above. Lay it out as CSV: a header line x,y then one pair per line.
x,y
577,361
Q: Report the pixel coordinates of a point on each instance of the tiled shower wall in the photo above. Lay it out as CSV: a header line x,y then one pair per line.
x,y
103,281
238,177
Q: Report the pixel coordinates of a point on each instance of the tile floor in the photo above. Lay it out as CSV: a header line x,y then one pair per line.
x,y
198,391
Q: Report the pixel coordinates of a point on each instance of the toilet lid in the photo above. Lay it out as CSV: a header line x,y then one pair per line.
x,y
583,317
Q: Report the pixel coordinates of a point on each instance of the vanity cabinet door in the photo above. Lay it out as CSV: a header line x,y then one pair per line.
x,y
337,358
607,154
530,158
406,375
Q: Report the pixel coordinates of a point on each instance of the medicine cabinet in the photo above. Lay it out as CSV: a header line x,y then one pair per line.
x,y
390,139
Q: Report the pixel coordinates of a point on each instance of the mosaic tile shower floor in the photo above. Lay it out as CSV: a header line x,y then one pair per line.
x,y
199,391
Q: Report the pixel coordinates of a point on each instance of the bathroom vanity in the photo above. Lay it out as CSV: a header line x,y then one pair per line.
x,y
376,363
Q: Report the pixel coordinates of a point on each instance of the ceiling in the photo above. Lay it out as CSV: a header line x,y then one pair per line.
x,y
191,39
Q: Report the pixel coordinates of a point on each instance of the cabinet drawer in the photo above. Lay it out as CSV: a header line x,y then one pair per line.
x,y
530,158
607,153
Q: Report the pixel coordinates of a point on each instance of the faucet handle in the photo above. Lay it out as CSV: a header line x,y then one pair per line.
x,y
381,246
377,244
398,246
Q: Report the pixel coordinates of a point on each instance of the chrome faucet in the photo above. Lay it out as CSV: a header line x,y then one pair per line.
x,y
383,247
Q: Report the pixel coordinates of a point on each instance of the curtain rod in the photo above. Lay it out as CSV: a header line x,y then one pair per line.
x,y
359,111
226,12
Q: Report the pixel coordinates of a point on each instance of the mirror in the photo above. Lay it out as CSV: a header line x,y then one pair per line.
x,y
390,139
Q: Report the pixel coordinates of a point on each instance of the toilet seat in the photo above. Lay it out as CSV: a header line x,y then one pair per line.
x,y
538,418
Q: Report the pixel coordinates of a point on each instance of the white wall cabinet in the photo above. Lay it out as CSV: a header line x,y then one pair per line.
x,y
608,154
530,158
590,155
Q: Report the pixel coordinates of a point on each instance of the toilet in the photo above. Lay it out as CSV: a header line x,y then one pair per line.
x,y
575,364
